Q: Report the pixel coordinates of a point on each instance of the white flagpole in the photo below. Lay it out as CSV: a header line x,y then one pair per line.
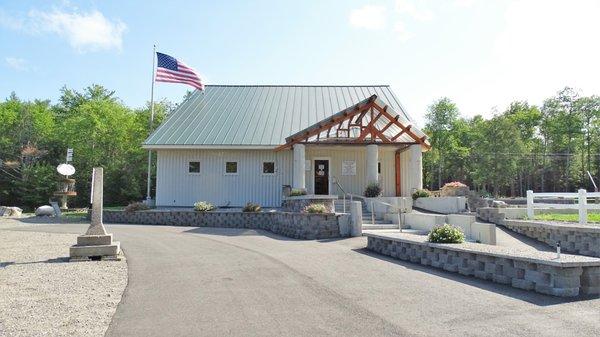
x,y
149,182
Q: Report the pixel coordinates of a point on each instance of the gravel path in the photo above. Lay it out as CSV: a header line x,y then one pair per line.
x,y
42,294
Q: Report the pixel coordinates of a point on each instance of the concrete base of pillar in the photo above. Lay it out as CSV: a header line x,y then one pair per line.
x,y
95,247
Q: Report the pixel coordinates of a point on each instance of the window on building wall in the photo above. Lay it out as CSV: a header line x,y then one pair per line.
x,y
379,167
268,167
231,167
194,167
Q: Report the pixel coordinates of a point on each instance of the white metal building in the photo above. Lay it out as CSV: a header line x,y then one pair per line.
x,y
234,144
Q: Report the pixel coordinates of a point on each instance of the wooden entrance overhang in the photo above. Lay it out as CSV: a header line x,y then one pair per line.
x,y
370,121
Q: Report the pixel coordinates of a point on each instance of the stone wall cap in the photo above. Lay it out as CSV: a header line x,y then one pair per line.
x,y
223,212
312,197
555,225
546,258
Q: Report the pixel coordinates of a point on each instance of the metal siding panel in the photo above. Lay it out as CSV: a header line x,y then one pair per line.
x,y
176,187
202,128
242,121
259,115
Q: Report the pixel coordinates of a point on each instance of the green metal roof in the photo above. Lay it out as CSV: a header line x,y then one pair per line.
x,y
258,115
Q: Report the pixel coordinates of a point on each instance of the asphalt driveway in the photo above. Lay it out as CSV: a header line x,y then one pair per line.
x,y
187,281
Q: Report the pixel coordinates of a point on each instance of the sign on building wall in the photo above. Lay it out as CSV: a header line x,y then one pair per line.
x,y
348,168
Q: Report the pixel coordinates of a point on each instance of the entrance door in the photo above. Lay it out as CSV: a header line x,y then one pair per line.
x,y
322,177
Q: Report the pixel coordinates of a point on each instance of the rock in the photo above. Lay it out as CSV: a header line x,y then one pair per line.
x,y
13,212
474,201
499,204
44,211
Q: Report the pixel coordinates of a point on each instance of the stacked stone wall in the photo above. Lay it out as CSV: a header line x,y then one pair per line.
x,y
298,205
294,225
583,240
540,276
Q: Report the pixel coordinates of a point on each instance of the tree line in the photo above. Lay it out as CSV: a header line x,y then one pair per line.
x,y
101,130
545,148
549,148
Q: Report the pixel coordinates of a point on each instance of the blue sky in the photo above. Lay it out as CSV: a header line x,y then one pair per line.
x,y
481,53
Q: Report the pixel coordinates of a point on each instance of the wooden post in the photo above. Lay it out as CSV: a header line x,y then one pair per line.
x,y
398,174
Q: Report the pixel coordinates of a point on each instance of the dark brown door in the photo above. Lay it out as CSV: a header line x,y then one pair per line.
x,y
322,177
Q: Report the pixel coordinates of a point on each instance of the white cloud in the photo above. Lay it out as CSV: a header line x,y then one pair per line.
x,y
464,3
401,31
85,31
419,13
90,31
16,63
369,17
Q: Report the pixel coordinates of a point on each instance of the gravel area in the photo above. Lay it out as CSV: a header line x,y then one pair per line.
x,y
42,294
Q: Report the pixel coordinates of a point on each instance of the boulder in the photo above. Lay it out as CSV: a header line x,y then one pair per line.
x,y
44,211
13,212
499,204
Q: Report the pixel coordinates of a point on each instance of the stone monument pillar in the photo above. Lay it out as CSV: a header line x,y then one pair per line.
x,y
95,243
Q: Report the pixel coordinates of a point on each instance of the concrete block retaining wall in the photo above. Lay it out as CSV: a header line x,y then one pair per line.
x,y
482,232
584,240
298,203
581,276
293,225
574,238
445,205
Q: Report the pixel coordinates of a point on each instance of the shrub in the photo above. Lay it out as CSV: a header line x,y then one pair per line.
x,y
251,207
420,194
454,184
373,190
203,206
297,192
136,206
446,234
315,208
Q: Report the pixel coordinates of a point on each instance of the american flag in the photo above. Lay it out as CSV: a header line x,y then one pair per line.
x,y
170,70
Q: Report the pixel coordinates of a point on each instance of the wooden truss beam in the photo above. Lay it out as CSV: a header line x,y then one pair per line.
x,y
359,111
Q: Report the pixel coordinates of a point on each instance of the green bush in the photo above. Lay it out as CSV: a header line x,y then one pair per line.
x,y
315,208
295,192
420,194
251,208
203,206
373,190
136,206
446,234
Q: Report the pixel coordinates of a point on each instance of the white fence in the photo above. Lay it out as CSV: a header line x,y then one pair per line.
x,y
582,202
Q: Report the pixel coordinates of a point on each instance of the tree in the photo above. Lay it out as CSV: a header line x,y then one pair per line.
x,y
562,126
441,117
498,150
589,108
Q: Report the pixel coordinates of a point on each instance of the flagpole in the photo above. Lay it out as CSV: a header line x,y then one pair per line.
x,y
149,178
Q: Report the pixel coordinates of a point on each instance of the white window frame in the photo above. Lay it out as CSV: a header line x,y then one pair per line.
x,y
262,168
237,167
199,167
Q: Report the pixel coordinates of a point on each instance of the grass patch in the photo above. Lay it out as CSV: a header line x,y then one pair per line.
x,y
113,208
81,214
592,217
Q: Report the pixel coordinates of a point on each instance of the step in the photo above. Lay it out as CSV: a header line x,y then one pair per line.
x,y
379,226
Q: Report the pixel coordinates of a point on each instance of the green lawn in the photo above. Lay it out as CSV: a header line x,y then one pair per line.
x,y
75,214
592,217
113,208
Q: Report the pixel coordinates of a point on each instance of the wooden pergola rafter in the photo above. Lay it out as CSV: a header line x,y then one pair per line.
x,y
371,121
